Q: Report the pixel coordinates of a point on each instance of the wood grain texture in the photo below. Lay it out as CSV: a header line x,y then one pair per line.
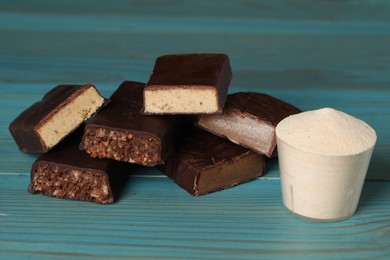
x,y
310,53
156,219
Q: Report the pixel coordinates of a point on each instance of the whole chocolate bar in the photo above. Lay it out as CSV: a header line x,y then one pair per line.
x,y
188,84
66,172
249,119
61,110
120,132
204,163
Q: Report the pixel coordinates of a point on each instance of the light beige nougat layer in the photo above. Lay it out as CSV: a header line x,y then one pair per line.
x,y
69,116
186,100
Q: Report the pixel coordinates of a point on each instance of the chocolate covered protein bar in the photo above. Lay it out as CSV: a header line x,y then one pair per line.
x,y
68,173
61,110
188,84
203,163
249,119
121,133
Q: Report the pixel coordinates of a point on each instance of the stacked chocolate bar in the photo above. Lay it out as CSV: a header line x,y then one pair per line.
x,y
183,122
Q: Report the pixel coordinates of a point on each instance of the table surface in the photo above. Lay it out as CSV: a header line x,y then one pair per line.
x,y
312,54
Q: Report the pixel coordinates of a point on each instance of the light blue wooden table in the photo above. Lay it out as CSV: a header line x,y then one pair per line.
x,y
310,53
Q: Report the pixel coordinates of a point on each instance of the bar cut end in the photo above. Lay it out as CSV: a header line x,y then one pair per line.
x,y
69,115
181,99
70,183
123,146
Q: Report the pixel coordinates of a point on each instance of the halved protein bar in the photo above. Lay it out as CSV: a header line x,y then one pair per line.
x,y
61,110
204,163
68,173
249,119
188,84
120,132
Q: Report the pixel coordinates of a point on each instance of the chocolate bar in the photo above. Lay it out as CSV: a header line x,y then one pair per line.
x,y
68,173
120,132
249,119
188,84
203,163
61,110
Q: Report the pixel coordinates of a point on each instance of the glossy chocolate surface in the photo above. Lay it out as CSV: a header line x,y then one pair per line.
x,y
199,152
264,107
122,115
192,71
23,128
67,159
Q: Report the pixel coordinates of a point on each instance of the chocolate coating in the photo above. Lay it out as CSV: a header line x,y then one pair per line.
x,y
120,132
195,71
190,69
204,163
24,127
262,106
249,119
66,172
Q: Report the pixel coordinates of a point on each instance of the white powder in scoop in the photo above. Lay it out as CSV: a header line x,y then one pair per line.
x,y
326,131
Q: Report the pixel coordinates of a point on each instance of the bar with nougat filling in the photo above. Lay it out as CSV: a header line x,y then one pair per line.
x,y
121,133
43,125
249,119
68,173
188,84
203,163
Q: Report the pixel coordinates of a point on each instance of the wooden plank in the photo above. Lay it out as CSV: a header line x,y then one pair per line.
x,y
257,60
328,10
247,221
343,47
